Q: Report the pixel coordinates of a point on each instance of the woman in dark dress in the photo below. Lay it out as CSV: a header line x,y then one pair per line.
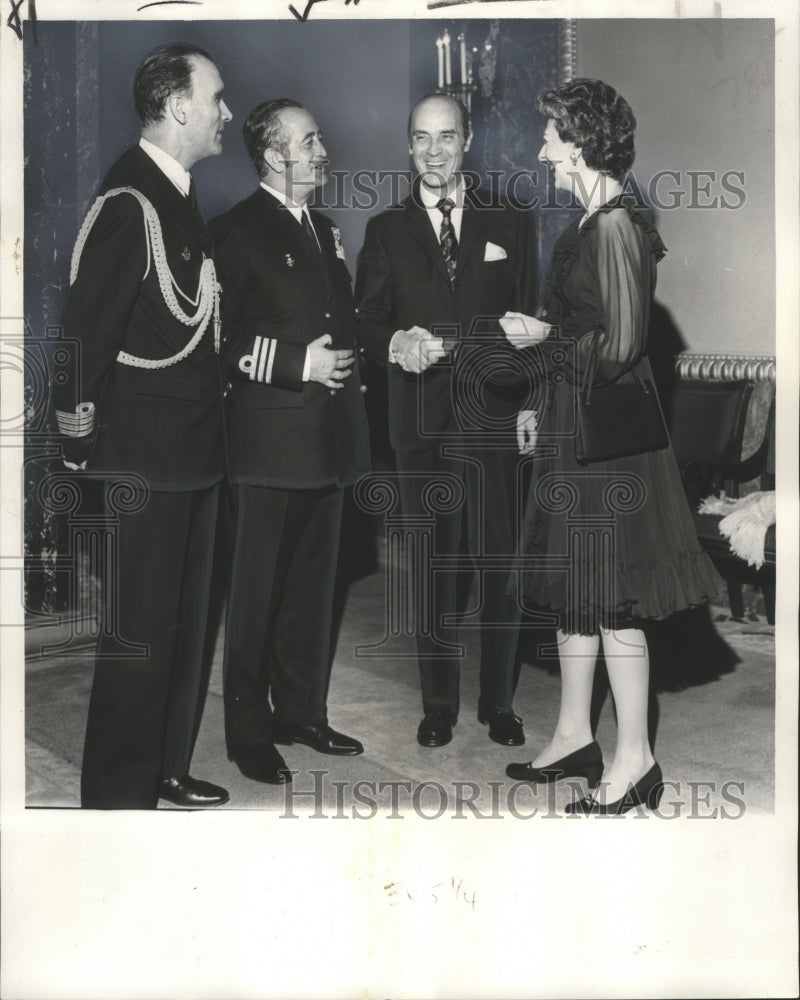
x,y
615,538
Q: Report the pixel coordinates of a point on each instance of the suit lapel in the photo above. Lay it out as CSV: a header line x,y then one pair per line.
x,y
178,204
279,223
472,222
328,247
285,232
324,235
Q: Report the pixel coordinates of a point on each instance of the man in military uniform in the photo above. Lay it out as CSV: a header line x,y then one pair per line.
x,y
297,437
145,414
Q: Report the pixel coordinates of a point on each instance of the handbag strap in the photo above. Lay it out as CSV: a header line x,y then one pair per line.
x,y
591,370
642,384
588,377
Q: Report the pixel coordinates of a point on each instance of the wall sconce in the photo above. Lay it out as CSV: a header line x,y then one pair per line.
x,y
455,81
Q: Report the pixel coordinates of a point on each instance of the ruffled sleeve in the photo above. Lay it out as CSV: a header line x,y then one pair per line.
x,y
600,289
565,255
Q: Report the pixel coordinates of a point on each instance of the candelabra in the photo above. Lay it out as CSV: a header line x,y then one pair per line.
x,y
465,88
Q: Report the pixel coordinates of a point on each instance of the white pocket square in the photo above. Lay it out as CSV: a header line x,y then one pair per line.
x,y
494,252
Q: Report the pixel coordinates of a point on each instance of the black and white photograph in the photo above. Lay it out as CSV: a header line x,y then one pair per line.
x,y
399,499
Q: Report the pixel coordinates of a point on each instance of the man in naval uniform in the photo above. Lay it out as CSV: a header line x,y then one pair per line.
x,y
297,436
145,414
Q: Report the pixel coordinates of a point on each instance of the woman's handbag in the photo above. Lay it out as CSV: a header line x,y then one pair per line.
x,y
618,419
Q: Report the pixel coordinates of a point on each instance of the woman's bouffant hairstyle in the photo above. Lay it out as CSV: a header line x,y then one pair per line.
x,y
593,116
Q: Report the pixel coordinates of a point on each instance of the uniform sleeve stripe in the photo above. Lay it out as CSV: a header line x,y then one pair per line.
x,y
272,345
261,358
76,424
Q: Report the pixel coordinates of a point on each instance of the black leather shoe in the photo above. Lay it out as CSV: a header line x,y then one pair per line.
x,y
646,792
436,728
323,739
261,763
188,791
584,763
505,728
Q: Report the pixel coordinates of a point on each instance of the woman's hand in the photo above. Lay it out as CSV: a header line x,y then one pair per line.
x,y
526,431
523,331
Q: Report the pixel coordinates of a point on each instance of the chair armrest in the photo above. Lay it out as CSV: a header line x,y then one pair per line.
x,y
702,476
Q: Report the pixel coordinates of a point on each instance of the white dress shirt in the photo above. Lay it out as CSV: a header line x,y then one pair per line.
x,y
430,199
296,210
168,165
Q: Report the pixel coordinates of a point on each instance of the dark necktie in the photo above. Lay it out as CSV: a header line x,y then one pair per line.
x,y
192,197
447,237
309,230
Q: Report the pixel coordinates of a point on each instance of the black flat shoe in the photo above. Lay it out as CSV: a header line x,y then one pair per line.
x,y
646,792
436,728
261,763
505,728
188,791
322,738
584,763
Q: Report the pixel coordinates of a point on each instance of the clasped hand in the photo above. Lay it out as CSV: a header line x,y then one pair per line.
x,y
415,350
329,367
523,331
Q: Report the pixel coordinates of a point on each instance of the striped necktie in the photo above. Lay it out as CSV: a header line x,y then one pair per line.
x,y
447,236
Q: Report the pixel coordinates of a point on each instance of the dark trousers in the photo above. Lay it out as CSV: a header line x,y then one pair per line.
x,y
149,677
488,521
280,608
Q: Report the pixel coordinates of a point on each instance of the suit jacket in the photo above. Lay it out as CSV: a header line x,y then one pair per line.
x,y
279,293
402,282
165,424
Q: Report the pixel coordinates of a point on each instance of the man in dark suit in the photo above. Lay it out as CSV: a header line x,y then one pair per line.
x,y
297,437
145,413
434,275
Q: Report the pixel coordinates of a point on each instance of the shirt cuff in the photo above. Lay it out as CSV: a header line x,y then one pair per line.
x,y
307,366
394,357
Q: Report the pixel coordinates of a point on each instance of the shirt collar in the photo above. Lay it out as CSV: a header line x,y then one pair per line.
x,y
168,165
430,199
283,198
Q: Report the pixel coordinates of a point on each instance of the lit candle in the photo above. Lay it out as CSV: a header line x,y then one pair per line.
x,y
448,76
441,63
464,80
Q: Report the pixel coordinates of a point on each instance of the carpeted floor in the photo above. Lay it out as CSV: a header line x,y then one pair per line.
x,y
712,723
